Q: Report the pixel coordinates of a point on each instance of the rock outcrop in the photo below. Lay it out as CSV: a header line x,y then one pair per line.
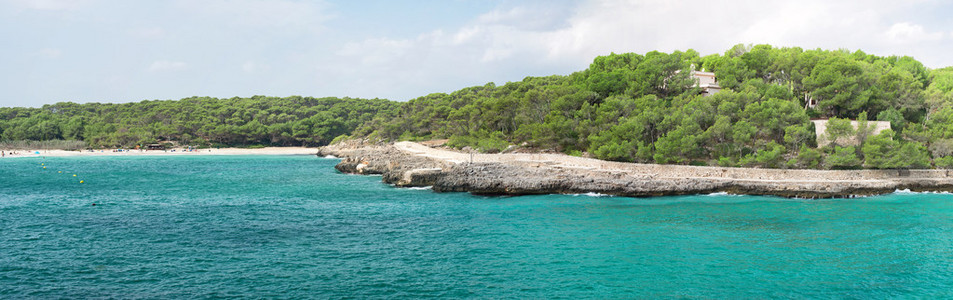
x,y
396,167
509,176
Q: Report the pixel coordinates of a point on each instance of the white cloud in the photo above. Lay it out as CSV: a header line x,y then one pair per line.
x,y
905,32
599,27
361,54
165,65
466,35
512,42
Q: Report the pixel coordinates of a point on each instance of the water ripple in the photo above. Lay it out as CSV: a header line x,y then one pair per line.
x,y
292,227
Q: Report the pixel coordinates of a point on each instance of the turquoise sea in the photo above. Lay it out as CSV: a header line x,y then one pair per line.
x,y
293,227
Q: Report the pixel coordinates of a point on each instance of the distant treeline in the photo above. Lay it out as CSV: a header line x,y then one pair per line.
x,y
624,107
198,121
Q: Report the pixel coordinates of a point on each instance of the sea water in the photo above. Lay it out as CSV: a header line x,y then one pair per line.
x,y
293,227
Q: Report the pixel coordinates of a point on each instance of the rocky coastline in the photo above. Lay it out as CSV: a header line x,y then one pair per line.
x,y
413,165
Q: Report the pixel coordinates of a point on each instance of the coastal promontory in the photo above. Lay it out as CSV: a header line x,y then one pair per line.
x,y
409,164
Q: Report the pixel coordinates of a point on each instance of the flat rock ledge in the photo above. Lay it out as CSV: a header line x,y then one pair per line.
x,y
405,168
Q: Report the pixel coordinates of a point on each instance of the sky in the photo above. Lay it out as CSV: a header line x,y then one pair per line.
x,y
127,51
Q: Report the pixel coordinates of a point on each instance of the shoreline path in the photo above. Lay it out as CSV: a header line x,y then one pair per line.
x,y
873,177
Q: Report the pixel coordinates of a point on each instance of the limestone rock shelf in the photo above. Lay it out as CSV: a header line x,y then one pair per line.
x,y
409,164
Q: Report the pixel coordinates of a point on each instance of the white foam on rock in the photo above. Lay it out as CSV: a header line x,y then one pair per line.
x,y
593,194
909,192
723,194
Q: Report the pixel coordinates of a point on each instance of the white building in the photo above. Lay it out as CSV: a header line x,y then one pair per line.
x,y
707,82
809,101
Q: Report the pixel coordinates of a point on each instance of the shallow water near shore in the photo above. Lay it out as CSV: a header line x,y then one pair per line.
x,y
293,227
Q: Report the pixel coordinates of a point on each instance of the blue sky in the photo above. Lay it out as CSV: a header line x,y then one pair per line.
x,y
125,51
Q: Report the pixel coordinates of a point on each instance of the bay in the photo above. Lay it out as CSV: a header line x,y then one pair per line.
x,y
293,227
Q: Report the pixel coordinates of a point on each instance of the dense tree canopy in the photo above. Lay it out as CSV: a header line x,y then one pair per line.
x,y
646,108
624,107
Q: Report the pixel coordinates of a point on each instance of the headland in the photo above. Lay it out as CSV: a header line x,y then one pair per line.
x,y
409,164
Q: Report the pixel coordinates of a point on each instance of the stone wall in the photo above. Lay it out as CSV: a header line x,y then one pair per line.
x,y
820,126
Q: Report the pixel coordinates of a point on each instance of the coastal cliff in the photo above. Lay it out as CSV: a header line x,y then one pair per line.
x,y
408,164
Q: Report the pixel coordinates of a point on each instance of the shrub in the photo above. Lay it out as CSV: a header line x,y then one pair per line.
x,y
808,158
843,158
340,138
945,162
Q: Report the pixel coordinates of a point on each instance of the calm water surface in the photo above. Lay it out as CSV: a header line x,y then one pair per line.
x,y
292,227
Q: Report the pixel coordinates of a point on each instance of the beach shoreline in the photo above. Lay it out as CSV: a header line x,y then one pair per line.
x,y
168,152
409,164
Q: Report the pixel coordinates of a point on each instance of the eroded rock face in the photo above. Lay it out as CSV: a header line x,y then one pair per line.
x,y
397,167
524,178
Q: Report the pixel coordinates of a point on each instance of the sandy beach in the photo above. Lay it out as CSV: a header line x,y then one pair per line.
x,y
175,152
